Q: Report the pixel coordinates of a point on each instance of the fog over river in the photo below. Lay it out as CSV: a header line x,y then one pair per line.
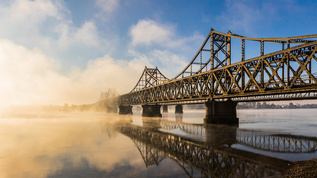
x,y
99,144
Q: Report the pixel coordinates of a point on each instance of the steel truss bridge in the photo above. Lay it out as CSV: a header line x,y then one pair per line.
x,y
287,73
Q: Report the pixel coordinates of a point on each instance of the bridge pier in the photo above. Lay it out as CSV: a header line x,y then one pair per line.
x,y
125,110
165,109
151,111
178,108
221,113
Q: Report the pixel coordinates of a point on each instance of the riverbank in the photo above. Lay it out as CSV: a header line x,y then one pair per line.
x,y
303,169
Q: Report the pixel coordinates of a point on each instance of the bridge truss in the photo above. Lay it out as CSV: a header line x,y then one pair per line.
x,y
289,73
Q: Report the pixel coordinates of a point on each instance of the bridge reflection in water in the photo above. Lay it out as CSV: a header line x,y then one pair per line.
x,y
213,155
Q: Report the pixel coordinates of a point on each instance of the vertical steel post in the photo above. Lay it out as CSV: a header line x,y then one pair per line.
x,y
283,67
242,59
229,50
309,70
211,61
226,50
228,56
156,82
283,71
262,48
262,74
145,79
242,49
288,82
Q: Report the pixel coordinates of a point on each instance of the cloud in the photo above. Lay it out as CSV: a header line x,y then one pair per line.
x,y
47,25
29,13
69,36
25,74
168,49
28,76
148,32
107,6
173,63
42,33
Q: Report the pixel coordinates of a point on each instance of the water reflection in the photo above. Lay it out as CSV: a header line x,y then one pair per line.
x,y
215,135
278,143
208,149
213,158
103,145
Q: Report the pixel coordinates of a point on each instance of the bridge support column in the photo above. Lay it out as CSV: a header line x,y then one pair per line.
x,y
125,110
178,108
221,113
165,109
151,111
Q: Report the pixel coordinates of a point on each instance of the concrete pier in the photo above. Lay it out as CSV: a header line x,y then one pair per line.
x,y
221,113
178,108
151,111
125,110
165,109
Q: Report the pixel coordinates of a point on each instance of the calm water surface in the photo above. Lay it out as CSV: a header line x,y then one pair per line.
x,y
87,144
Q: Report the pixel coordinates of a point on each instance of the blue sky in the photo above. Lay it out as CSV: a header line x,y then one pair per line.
x,y
68,51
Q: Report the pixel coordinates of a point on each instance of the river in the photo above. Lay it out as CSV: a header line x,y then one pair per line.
x,y
98,144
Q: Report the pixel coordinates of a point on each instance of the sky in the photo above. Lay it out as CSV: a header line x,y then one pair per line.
x,y
68,51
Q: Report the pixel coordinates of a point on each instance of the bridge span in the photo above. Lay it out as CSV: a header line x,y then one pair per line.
x,y
287,73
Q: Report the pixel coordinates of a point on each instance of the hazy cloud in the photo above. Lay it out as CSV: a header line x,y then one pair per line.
x,y
149,32
173,63
47,24
41,29
29,77
86,35
107,6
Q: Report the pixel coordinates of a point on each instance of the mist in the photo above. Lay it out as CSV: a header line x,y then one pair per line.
x,y
29,77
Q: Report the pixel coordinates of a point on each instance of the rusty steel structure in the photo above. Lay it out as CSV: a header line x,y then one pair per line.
x,y
288,73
